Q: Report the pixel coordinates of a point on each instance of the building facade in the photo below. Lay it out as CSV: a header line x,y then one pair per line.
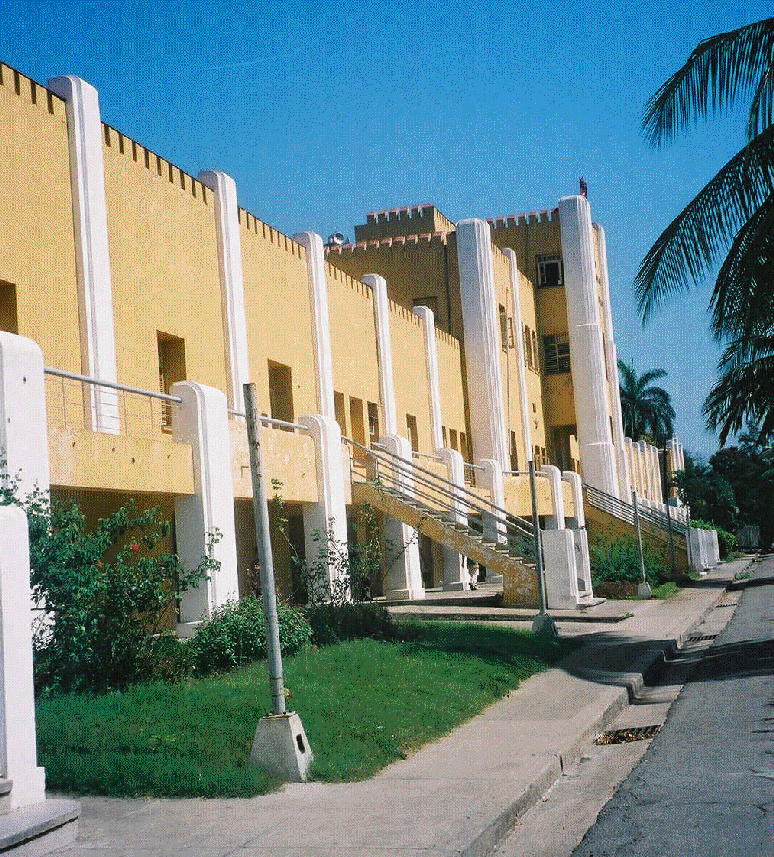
x,y
466,350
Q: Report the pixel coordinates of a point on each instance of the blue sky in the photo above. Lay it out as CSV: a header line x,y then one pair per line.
x,y
323,112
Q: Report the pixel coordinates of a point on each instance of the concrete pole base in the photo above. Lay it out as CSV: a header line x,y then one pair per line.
x,y
280,747
544,624
644,591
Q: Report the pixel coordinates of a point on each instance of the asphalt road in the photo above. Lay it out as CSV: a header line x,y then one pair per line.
x,y
705,786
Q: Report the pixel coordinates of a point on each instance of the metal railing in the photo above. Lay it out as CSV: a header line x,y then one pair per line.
x,y
88,404
271,422
625,511
442,498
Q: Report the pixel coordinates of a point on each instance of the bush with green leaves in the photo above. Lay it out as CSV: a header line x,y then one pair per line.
x,y
332,623
618,560
236,633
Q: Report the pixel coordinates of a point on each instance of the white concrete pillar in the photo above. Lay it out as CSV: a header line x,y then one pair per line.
x,y
592,401
611,353
656,471
231,283
433,383
378,286
481,341
491,479
23,418
554,476
455,566
95,293
202,421
403,572
18,749
644,471
521,365
580,536
328,516
321,328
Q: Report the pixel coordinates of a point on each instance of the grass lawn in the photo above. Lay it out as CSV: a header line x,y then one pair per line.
x,y
363,704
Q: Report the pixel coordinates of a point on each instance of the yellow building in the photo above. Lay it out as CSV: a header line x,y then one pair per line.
x,y
441,358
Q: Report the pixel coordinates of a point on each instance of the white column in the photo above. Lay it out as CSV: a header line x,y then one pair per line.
x,y
403,572
403,575
455,570
231,283
491,479
95,294
433,383
202,421
592,402
520,357
378,286
554,476
482,341
23,419
624,479
321,328
580,536
647,476
328,516
18,750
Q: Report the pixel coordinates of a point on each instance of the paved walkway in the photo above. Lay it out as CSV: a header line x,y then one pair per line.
x,y
714,795
457,796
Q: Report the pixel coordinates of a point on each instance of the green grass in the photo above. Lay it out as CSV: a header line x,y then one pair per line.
x,y
363,704
666,589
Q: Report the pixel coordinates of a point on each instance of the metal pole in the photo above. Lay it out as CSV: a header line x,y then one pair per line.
x,y
261,511
665,483
543,622
643,590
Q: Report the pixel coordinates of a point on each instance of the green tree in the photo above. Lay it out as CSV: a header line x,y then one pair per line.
x,y
733,215
646,409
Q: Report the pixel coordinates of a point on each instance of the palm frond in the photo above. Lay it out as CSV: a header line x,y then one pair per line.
x,y
718,70
762,106
688,246
743,296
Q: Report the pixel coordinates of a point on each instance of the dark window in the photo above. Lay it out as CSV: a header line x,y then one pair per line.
x,y
373,423
549,271
280,392
9,321
171,370
431,302
411,425
556,354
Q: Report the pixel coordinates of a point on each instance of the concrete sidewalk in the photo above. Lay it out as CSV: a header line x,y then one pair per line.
x,y
457,796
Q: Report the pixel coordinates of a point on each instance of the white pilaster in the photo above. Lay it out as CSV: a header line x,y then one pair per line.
x,y
580,536
647,478
378,287
624,478
554,476
202,421
18,749
576,484
481,341
95,293
455,571
433,383
328,516
592,402
231,283
403,572
321,328
23,419
491,479
521,365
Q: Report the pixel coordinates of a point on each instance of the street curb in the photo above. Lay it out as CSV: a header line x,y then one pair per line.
x,y
489,838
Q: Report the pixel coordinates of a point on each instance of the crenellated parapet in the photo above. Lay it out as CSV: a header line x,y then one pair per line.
x,y
515,221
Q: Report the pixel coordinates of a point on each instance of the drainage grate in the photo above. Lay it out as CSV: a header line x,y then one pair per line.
x,y
699,638
624,736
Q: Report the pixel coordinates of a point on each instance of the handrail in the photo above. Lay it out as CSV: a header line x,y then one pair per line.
x,y
457,490
269,420
647,514
60,373
426,455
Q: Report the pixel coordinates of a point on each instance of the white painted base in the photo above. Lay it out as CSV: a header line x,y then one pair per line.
x,y
280,747
455,573
582,562
561,575
644,591
544,624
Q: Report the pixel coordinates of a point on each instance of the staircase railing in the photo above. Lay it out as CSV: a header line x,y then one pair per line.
x,y
625,511
442,498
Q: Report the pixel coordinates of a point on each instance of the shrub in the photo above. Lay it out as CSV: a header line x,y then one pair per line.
x,y
619,560
334,622
236,633
104,593
165,658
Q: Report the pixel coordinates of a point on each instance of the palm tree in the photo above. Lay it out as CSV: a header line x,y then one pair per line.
x,y
733,213
646,409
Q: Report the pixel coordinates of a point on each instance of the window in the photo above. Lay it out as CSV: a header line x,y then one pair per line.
x,y
373,423
556,354
503,328
339,409
535,352
464,451
358,426
549,271
280,392
443,435
171,350
514,453
411,425
9,321
561,442
453,439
